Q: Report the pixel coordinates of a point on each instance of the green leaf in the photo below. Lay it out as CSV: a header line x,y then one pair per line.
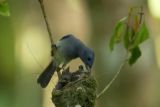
x,y
128,34
134,32
4,8
140,36
118,33
135,54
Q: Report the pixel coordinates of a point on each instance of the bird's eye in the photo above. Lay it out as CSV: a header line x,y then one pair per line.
x,y
89,59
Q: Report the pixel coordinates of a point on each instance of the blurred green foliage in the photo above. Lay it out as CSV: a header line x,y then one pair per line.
x,y
6,63
4,8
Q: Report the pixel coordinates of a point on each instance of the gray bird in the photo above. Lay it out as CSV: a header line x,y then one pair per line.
x,y
67,49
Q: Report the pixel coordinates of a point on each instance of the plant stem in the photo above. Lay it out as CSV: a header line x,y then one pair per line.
x,y
114,78
46,21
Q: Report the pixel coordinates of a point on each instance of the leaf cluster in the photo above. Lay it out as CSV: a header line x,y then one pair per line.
x,y
131,31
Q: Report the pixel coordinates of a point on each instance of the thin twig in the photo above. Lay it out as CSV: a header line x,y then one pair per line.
x,y
114,78
46,21
34,57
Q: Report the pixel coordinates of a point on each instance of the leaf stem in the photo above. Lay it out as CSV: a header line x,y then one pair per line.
x,y
114,78
46,21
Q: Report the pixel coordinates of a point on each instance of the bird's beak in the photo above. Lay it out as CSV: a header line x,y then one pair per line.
x,y
88,68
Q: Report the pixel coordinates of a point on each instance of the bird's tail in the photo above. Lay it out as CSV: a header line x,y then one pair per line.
x,y
47,74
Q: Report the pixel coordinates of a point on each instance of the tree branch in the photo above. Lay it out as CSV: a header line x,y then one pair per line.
x,y
114,78
46,21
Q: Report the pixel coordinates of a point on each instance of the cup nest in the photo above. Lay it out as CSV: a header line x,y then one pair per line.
x,y
75,89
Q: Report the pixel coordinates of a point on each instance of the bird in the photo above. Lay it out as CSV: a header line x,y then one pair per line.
x,y
67,49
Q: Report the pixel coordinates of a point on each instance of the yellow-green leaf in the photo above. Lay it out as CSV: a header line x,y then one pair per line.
x,y
140,36
117,33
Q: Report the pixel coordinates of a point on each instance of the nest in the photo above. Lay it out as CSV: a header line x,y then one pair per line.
x,y
77,89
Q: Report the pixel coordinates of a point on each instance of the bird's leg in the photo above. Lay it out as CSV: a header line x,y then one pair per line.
x,y
63,66
54,48
59,72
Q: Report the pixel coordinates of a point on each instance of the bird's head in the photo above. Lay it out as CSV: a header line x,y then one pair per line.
x,y
87,56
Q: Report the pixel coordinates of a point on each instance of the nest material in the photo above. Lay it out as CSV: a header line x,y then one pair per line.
x,y
76,89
